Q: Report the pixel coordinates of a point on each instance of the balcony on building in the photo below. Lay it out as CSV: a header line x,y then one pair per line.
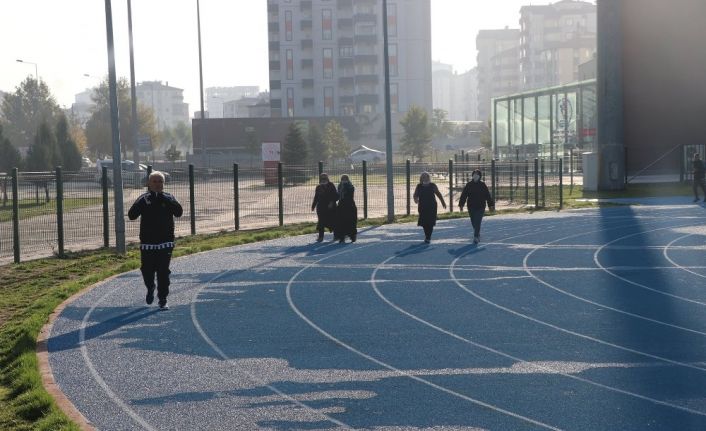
x,y
273,27
306,24
346,81
365,38
307,63
364,17
305,5
367,78
273,8
308,102
367,99
307,43
346,100
345,23
344,4
366,59
275,84
307,83
276,103
274,45
345,61
274,65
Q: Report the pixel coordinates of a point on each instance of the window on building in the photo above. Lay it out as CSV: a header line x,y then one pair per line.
x,y
392,51
290,64
326,24
328,63
345,51
392,19
290,102
288,25
328,101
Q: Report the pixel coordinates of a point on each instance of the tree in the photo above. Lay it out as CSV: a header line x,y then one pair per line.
x,y
42,154
98,132
183,136
294,151
440,126
416,139
10,156
318,151
252,145
67,153
486,140
172,154
24,110
335,141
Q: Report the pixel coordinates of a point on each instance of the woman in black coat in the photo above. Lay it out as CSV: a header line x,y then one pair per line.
x,y
346,212
324,203
425,197
476,194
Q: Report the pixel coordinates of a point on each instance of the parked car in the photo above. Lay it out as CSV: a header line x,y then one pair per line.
x,y
134,175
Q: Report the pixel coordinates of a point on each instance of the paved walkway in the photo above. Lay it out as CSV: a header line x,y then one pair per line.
x,y
580,320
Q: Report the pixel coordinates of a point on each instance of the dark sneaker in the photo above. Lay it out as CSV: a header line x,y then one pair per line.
x,y
320,238
353,238
163,305
476,240
696,200
341,241
149,299
427,240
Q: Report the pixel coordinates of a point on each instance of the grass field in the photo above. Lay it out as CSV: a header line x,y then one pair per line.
x,y
29,208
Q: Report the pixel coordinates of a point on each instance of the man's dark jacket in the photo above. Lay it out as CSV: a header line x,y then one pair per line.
x,y
157,211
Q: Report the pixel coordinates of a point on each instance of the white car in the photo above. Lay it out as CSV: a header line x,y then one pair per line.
x,y
134,175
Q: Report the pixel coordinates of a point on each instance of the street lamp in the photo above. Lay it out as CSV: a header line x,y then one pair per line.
x,y
36,75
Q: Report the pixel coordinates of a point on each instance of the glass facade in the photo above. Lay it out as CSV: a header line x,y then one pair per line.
x,y
548,123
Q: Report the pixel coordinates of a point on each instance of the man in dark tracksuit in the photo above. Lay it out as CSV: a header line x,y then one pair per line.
x,y
699,175
157,210
477,194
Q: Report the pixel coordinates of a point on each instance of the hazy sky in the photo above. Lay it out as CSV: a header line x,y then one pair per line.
x,y
67,39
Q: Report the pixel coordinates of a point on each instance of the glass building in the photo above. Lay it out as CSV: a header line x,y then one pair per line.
x,y
547,123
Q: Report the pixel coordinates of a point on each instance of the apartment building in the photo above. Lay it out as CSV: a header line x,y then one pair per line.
x,y
498,66
326,57
166,102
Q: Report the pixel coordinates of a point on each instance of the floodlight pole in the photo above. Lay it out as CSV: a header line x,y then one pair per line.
x,y
133,92
388,119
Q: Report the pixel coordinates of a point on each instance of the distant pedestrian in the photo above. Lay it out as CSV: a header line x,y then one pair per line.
x,y
157,210
325,197
425,197
476,194
699,180
346,212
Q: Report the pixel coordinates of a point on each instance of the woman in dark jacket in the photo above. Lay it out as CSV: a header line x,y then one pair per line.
x,y
476,193
698,171
324,203
346,212
425,197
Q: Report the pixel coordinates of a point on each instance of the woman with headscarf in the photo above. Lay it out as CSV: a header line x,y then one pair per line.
x,y
324,203
346,212
425,197
476,194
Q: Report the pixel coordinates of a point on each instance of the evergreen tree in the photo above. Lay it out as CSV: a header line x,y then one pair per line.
x,y
335,140
67,154
10,156
318,151
23,111
41,155
294,151
416,139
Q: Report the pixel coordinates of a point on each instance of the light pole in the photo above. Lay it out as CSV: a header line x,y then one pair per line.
x,y
388,118
36,74
202,125
133,93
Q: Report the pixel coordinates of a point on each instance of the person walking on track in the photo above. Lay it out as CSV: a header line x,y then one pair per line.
x,y
476,194
325,197
425,197
346,212
699,181
156,210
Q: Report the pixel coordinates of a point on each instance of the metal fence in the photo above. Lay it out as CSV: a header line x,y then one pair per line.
x,y
51,213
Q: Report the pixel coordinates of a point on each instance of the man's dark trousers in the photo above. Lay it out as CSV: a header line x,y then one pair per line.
x,y
476,219
156,261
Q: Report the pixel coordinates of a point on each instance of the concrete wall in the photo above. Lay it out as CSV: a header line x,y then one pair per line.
x,y
664,79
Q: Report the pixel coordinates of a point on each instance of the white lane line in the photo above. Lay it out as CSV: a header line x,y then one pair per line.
x,y
97,377
567,331
529,364
596,259
400,372
254,379
670,246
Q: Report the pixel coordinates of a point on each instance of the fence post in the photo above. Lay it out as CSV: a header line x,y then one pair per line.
x,y
408,173
561,184
365,190
571,167
512,182
106,215
493,179
60,210
236,197
544,202
321,167
625,163
536,183
149,172
15,217
192,199
280,196
526,182
451,186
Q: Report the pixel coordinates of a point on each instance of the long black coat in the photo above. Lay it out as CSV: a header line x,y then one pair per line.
x,y
325,198
426,195
346,212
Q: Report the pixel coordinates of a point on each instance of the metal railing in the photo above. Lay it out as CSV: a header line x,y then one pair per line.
x,y
51,213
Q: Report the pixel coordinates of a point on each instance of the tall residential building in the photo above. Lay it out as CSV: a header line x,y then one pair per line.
x,y
498,66
554,40
166,102
216,97
326,57
464,96
83,105
441,85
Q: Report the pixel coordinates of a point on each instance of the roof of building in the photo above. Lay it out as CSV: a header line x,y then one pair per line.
x,y
559,8
507,33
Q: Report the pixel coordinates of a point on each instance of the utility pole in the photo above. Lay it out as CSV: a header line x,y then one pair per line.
x,y
133,95
388,119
